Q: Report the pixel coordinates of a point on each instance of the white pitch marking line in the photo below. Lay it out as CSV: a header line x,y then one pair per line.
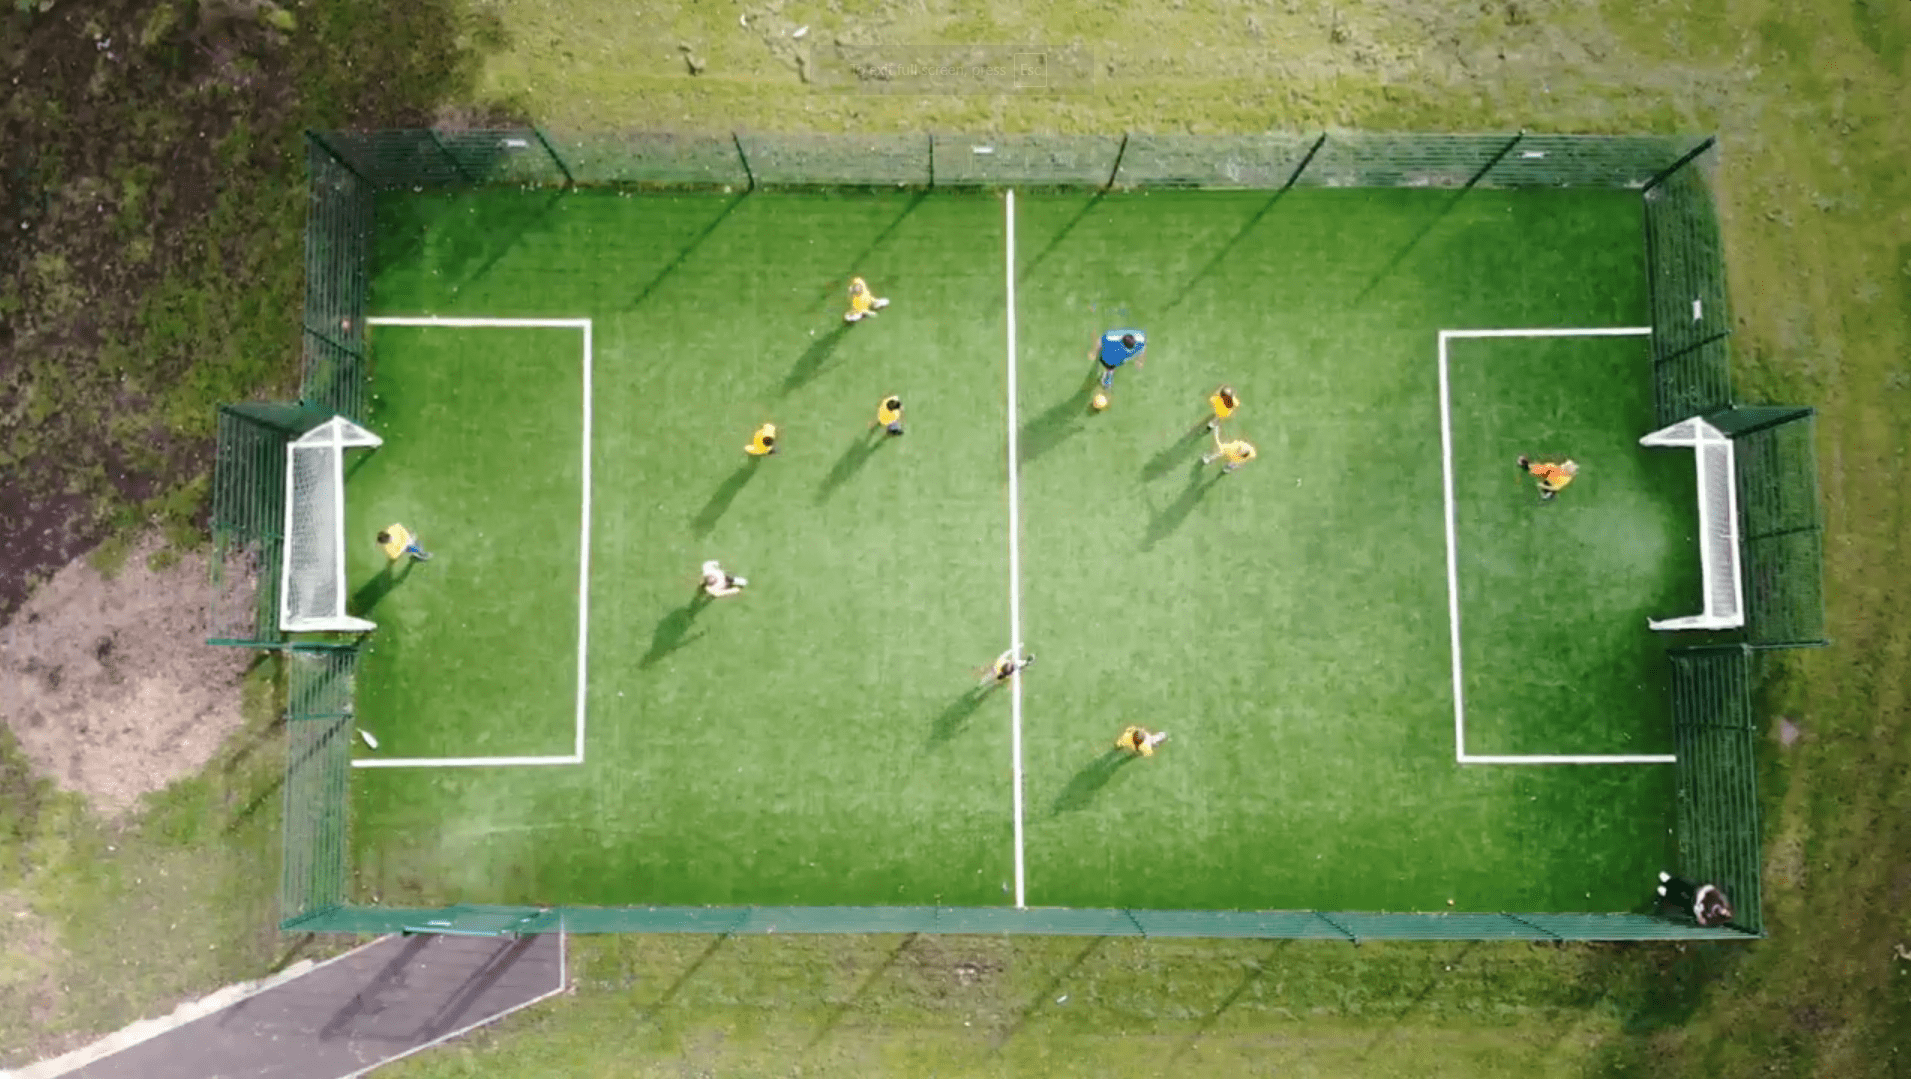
x,y
583,554
460,762
1453,574
1015,566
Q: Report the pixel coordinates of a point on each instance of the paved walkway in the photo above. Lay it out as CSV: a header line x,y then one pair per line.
x,y
345,1017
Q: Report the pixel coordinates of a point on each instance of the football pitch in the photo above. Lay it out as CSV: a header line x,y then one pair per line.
x,y
1392,678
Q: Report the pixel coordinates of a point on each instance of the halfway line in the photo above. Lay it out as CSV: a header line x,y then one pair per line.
x,y
1015,565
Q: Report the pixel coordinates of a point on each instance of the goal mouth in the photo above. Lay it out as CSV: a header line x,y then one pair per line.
x,y
1717,465
312,578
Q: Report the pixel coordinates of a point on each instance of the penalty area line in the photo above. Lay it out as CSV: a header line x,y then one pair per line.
x,y
583,548
1460,754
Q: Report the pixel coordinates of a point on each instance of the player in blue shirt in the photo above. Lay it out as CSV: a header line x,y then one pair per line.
x,y
1116,348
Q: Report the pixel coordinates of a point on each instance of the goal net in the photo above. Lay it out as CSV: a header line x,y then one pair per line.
x,y
1718,525
312,587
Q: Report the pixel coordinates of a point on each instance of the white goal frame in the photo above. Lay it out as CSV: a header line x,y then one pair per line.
x,y
1717,463
334,436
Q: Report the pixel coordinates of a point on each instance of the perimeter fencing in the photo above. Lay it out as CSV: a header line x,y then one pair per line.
x,y
1713,721
248,519
1714,728
1781,534
318,765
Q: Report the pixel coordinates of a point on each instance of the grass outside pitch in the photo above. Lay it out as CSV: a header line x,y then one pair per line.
x,y
816,740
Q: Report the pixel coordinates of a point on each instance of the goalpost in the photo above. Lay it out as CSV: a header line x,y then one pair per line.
x,y
312,581
1718,525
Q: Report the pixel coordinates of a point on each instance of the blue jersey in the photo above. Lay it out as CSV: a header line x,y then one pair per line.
x,y
1114,353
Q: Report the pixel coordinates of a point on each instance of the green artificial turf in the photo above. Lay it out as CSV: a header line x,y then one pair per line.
x,y
817,740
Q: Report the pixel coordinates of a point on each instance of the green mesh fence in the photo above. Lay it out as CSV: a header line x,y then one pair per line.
x,y
1714,727
1718,825
248,520
318,765
1685,267
435,159
1346,926
1781,539
338,237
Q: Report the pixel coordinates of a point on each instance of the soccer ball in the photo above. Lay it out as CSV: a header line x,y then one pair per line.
x,y
1099,402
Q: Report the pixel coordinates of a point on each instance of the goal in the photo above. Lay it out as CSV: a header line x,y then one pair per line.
x,y
312,583
1718,525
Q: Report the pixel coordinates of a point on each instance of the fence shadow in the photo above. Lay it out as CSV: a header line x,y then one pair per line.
x,y
869,982
1087,783
1400,256
720,499
838,287
1047,993
688,250
1227,248
1056,240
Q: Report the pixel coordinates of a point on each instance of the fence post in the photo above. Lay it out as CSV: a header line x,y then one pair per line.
x,y
1516,918
1504,150
744,158
569,180
1338,928
319,141
1292,180
932,159
1120,153
449,156
1681,163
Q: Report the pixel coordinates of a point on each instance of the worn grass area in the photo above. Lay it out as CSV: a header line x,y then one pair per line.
x,y
1808,99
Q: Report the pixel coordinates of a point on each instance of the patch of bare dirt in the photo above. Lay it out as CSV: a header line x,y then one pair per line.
x,y
108,685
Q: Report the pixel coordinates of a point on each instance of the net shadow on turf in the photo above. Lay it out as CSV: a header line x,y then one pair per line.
x,y
1232,243
688,249
1392,264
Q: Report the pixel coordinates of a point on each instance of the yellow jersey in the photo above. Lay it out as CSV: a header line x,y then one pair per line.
x,y
890,411
1135,740
762,442
393,541
861,300
1224,405
1238,452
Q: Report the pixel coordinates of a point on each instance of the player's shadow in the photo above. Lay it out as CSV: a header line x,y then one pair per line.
x,y
1163,462
850,463
376,589
956,717
1056,424
1087,783
1170,517
674,630
720,499
814,359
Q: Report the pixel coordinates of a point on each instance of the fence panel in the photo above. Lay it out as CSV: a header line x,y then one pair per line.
x,y
837,160
1265,161
338,239
318,764
1359,159
651,159
1685,269
1034,160
1713,726
1584,161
